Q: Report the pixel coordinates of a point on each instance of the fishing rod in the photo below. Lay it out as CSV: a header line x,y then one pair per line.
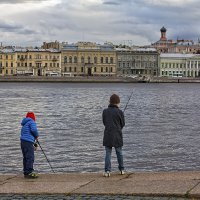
x,y
128,101
46,157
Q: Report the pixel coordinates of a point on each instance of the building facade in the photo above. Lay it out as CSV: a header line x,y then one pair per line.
x,y
88,59
185,46
179,65
7,62
139,62
165,45
36,62
51,45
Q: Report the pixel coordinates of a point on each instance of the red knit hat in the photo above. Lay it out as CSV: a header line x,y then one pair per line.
x,y
31,115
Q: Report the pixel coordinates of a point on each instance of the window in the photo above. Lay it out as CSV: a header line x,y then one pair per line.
x,y
57,64
95,69
65,59
111,70
106,69
70,59
30,64
30,57
101,59
65,69
70,69
106,60
6,64
11,71
81,69
111,60
74,69
75,59
101,69
46,64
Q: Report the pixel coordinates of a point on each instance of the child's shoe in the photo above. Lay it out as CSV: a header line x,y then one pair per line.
x,y
31,175
106,174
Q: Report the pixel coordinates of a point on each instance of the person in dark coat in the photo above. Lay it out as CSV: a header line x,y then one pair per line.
x,y
29,135
113,120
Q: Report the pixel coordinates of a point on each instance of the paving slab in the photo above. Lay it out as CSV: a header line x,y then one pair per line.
x,y
4,178
195,191
45,184
135,187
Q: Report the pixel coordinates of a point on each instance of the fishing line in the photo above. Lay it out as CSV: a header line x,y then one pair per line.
x,y
128,101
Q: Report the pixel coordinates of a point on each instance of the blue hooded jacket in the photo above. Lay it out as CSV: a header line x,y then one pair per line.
x,y
29,130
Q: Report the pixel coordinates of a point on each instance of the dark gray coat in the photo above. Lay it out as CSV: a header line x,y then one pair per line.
x,y
113,120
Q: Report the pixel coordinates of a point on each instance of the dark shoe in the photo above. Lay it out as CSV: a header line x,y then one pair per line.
x,y
31,175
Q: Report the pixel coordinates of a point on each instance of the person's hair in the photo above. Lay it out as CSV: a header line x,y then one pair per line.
x,y
114,99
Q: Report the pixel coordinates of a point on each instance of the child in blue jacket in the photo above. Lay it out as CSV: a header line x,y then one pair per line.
x,y
29,135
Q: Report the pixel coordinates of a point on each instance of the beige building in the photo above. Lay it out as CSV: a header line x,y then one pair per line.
x,y
36,62
51,45
88,59
179,65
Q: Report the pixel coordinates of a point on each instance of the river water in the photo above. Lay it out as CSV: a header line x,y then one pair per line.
x,y
161,132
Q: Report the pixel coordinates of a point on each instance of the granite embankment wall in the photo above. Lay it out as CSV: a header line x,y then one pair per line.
x,y
98,79
65,79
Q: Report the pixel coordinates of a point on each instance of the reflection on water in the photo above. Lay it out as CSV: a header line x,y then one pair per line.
x,y
161,132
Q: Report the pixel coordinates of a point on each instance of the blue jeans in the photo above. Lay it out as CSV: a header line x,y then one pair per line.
x,y
28,156
108,158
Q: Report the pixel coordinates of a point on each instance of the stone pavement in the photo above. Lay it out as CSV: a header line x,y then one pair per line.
x,y
135,186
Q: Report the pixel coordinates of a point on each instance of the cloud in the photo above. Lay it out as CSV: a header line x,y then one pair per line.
x,y
19,1
98,20
111,3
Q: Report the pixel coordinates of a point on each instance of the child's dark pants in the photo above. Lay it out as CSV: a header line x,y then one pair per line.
x,y
28,156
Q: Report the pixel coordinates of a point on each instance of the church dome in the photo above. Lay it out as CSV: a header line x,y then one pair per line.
x,y
163,29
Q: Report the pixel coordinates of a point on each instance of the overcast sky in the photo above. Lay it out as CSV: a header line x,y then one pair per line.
x,y
138,22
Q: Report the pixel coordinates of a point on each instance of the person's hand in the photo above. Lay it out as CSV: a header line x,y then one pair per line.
x,y
35,145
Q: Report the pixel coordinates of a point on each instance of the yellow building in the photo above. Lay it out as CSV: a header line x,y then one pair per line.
x,y
7,62
88,59
36,62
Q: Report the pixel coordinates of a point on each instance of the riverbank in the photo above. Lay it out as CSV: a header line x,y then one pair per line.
x,y
66,79
93,79
185,185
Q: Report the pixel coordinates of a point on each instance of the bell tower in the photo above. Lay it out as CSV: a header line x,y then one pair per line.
x,y
163,31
